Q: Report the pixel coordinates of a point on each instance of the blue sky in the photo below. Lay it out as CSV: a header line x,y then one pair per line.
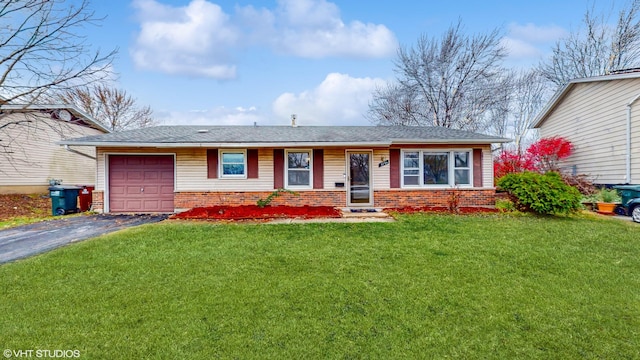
x,y
239,62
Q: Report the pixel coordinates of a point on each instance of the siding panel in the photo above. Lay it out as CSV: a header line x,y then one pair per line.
x,y
593,117
36,156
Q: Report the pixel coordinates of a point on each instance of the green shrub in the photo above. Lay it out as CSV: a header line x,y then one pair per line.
x,y
505,205
541,193
607,195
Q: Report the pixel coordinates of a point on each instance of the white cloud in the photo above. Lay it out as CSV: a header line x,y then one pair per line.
x,y
530,41
217,116
194,41
200,39
338,100
314,29
537,34
519,49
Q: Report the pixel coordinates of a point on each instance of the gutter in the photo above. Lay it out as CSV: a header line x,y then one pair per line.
x,y
628,154
392,142
66,147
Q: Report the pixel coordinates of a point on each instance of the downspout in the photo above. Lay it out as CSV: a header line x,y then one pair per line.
x,y
66,147
628,155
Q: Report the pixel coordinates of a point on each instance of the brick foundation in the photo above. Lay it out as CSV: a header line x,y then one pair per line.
x,y
188,200
97,201
465,197
382,198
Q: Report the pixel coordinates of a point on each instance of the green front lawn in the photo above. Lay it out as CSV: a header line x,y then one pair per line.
x,y
427,286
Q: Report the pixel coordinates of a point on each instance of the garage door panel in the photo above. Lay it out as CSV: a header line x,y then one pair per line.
x,y
130,174
117,204
118,161
152,205
135,176
151,175
166,190
167,175
133,190
118,190
118,176
151,190
133,204
134,161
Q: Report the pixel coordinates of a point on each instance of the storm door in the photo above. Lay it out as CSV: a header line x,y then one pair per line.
x,y
359,191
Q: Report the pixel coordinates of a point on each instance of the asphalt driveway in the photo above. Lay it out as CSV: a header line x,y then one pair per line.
x,y
28,240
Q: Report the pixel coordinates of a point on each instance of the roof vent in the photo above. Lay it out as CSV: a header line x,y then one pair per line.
x,y
293,120
203,131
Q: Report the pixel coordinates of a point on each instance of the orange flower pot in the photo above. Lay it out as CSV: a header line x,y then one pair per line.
x,y
606,208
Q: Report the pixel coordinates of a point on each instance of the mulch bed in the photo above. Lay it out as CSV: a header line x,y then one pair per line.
x,y
253,212
19,205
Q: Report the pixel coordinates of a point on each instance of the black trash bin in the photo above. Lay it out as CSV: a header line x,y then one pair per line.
x,y
64,199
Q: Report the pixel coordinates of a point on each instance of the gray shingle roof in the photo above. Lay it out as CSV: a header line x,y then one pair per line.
x,y
282,135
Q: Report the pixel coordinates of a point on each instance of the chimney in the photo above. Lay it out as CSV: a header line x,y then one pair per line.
x,y
293,120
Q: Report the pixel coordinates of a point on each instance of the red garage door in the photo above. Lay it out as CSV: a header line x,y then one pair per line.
x,y
141,183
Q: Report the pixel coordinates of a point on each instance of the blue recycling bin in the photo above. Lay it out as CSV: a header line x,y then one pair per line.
x,y
64,199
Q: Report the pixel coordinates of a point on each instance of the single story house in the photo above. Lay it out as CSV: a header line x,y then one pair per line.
x,y
601,117
30,155
174,168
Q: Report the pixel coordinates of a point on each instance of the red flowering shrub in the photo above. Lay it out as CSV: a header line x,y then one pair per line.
x,y
541,156
546,152
509,162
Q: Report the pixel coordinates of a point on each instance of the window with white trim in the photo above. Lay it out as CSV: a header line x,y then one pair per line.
x,y
233,164
298,169
434,168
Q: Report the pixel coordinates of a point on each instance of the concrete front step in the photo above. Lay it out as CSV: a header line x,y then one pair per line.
x,y
363,213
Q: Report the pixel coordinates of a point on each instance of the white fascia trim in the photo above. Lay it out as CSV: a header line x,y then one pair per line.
x,y
451,141
287,144
221,145
74,109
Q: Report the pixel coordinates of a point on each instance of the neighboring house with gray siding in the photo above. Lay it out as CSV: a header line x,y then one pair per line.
x,y
601,117
30,155
174,168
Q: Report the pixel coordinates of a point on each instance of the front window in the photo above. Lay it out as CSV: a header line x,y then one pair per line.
x,y
436,168
411,168
462,168
233,163
298,168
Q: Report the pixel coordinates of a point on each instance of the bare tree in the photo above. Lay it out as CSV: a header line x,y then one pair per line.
x,y
114,108
449,82
596,49
42,51
396,105
528,97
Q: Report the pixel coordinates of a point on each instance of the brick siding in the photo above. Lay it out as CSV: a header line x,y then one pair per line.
x,y
382,198
97,201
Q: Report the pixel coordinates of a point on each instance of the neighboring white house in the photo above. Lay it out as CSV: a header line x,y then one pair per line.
x,y
601,117
30,155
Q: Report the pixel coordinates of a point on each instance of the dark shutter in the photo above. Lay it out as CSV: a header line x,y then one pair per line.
x,y
212,163
394,168
477,167
318,169
252,163
278,168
